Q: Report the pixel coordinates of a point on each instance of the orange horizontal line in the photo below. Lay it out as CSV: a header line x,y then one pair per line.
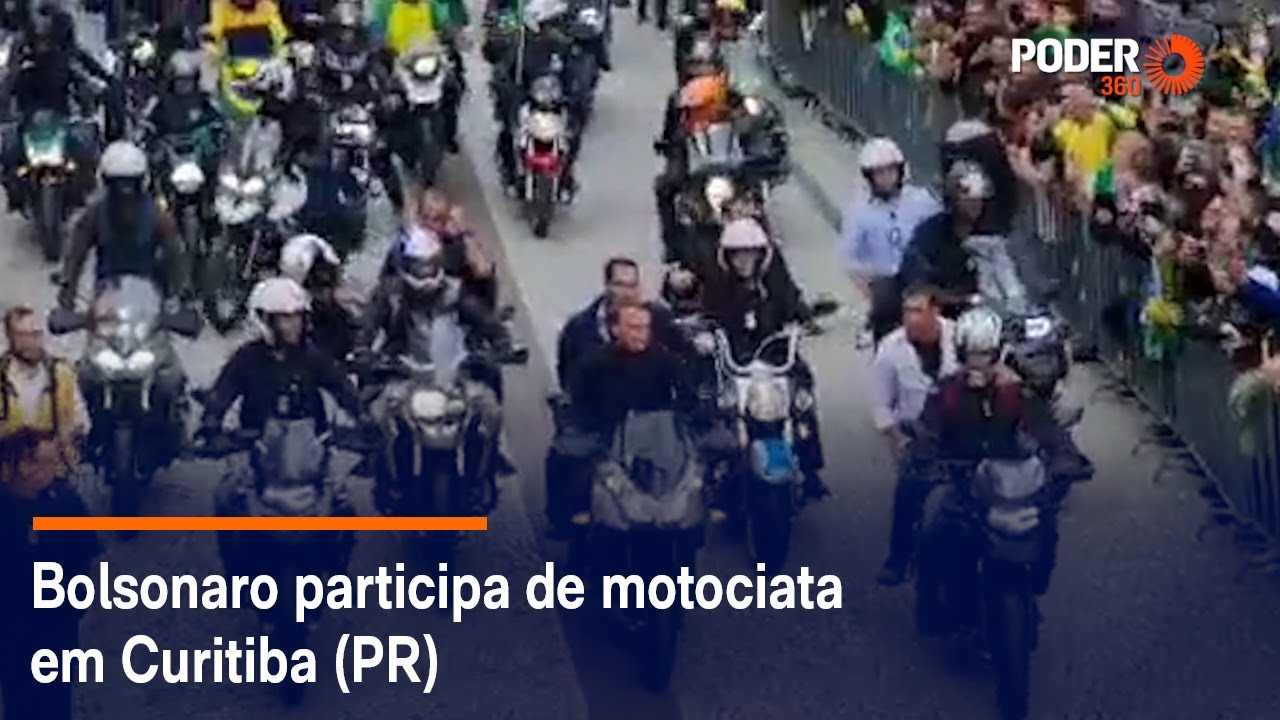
x,y
193,524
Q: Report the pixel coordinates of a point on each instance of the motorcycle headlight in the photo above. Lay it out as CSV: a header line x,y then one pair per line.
x,y
591,18
229,182
187,178
253,187
360,133
140,361
753,105
545,127
1038,328
728,399
428,405
718,191
50,155
143,53
768,401
426,66
1014,521
804,400
704,342
108,361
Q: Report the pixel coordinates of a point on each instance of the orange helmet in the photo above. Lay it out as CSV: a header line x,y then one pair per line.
x,y
705,100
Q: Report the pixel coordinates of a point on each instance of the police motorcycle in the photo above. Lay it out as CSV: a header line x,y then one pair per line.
x,y
256,198
761,401
985,549
648,518
434,448
129,345
421,74
288,475
542,147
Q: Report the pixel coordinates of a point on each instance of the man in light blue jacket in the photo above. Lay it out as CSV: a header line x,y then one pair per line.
x,y
878,226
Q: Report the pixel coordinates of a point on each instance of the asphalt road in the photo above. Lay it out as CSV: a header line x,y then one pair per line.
x,y
1143,620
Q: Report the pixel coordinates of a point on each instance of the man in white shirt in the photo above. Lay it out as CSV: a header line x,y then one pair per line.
x,y
908,363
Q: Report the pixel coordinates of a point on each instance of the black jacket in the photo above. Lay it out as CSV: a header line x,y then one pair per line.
x,y
158,255
387,316
608,383
749,311
263,377
75,551
935,257
587,331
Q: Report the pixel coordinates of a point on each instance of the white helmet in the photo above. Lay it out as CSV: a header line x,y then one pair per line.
x,y
979,330
538,12
878,153
719,190
123,160
299,254
275,296
970,182
420,266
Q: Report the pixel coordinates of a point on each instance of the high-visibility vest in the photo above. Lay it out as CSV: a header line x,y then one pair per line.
x,y
55,413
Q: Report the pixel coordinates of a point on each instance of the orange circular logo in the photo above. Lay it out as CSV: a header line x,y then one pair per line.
x,y
1173,65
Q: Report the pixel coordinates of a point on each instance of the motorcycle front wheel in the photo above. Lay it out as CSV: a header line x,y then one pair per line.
x,y
224,288
769,509
50,205
1011,620
541,204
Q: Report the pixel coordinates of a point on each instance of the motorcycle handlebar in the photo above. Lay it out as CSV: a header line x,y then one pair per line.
x,y
724,354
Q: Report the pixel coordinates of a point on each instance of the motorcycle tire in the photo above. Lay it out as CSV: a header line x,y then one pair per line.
x,y
224,292
290,636
658,638
1011,620
438,546
120,468
541,205
769,513
430,156
50,205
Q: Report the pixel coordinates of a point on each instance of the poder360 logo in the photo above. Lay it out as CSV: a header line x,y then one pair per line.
x,y
1172,65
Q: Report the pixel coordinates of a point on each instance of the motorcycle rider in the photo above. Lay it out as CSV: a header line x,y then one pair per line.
x,y
281,368
545,40
35,485
877,227
185,107
421,293
51,73
631,373
311,261
908,363
973,140
936,255
977,413
406,24
129,230
230,19
464,255
750,300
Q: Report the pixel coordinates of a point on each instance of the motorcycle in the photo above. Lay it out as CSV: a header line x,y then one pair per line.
x,y
762,401
290,478
254,201
185,190
129,343
351,137
987,582
648,517
432,442
48,173
588,31
134,61
542,144
422,74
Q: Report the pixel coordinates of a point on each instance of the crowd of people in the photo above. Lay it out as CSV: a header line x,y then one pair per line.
x,y
1184,188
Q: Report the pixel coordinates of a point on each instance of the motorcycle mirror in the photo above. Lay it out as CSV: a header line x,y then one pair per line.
x,y
516,356
825,306
63,321
185,322
660,146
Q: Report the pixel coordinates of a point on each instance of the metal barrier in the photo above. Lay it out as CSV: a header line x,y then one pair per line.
x,y
1101,285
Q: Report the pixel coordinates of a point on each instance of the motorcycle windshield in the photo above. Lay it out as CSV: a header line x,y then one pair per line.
x,y
126,312
45,129
250,42
998,279
291,453
716,147
440,341
654,451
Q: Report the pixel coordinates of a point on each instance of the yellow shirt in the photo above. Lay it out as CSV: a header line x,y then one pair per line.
x,y
29,402
226,19
1087,145
409,24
